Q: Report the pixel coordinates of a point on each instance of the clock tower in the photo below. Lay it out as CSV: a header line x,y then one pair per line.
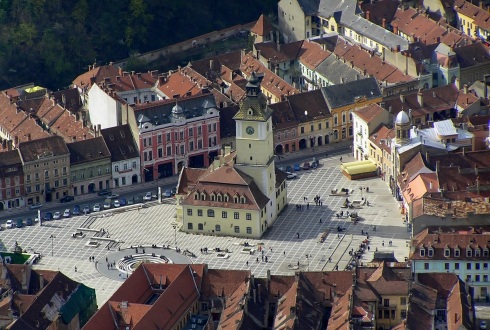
x,y
254,143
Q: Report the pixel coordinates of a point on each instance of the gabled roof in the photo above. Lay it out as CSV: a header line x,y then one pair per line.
x,y
348,93
120,142
382,137
472,55
95,74
312,54
88,150
369,112
37,149
262,27
481,16
309,7
313,102
278,53
177,84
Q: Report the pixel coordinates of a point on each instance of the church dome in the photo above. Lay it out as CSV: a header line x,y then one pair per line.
x,y
402,118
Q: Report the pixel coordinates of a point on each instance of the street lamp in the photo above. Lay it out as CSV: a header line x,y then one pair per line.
x,y
52,243
174,226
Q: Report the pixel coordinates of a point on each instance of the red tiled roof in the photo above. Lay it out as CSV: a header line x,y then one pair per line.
x,y
382,137
481,16
369,112
271,82
312,54
99,73
278,53
262,27
179,83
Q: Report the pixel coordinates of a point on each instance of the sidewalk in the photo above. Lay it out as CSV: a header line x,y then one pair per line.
x,y
318,152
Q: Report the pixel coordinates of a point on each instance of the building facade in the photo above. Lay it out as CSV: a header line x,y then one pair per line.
x,y
90,166
125,157
11,180
46,164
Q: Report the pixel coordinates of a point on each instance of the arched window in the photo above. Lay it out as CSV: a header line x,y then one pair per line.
x,y
211,213
203,196
196,196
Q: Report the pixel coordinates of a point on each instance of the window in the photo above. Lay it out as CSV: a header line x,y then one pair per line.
x,y
403,300
468,252
468,265
403,314
485,252
217,228
160,153
237,229
456,253
477,252
485,265
426,265
189,212
211,213
302,130
477,278
477,266
447,253
422,252
56,172
446,266
159,138
199,213
249,216
456,266
249,230
236,215
430,252
189,225
319,126
199,130
224,214
386,303
200,226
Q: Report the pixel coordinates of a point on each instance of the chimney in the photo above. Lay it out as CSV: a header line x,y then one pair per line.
x,y
84,136
118,78
28,136
120,71
368,15
465,88
402,98
383,23
395,30
430,185
227,149
420,98
258,54
211,64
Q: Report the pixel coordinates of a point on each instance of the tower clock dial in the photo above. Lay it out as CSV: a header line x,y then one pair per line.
x,y
250,130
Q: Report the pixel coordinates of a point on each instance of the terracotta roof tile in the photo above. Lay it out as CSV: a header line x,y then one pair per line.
x,y
178,83
312,54
271,82
99,74
262,27
278,53
30,150
369,112
382,137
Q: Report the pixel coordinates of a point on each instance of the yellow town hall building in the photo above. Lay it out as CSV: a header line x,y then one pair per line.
x,y
242,192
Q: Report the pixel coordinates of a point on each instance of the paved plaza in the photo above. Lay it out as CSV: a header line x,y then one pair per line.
x,y
151,229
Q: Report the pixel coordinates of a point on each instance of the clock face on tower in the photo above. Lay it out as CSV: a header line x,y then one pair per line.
x,y
250,130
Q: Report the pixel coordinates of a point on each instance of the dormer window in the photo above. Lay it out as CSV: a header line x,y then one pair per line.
x,y
485,252
422,252
477,252
430,252
213,197
225,198
447,252
456,252
250,112
469,253
218,197
242,200
203,196
235,199
196,196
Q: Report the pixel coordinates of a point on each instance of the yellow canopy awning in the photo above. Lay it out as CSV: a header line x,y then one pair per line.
x,y
33,89
368,167
357,163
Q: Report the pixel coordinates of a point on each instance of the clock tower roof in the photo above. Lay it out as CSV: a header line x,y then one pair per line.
x,y
254,106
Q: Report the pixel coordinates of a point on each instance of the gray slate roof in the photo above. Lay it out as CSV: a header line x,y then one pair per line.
x,y
310,7
48,147
120,142
343,94
160,112
88,150
337,71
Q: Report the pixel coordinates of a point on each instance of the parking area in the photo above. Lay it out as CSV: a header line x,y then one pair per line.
x,y
284,250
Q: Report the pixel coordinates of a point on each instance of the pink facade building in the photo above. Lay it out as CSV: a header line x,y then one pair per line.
x,y
176,133
11,180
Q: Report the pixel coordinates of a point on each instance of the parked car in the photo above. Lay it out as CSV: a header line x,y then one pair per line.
x,y
29,222
123,201
167,193
314,164
116,203
86,209
48,216
107,204
104,192
19,223
306,166
9,224
130,201
35,206
147,196
67,213
57,215
97,207
297,167
173,191
291,176
483,325
67,199
76,210
289,168
113,196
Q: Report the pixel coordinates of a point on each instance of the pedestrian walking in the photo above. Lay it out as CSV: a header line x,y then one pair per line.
x,y
307,205
106,259
257,260
320,220
284,253
266,259
362,232
297,234
341,159
262,257
369,248
247,263
75,269
383,244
